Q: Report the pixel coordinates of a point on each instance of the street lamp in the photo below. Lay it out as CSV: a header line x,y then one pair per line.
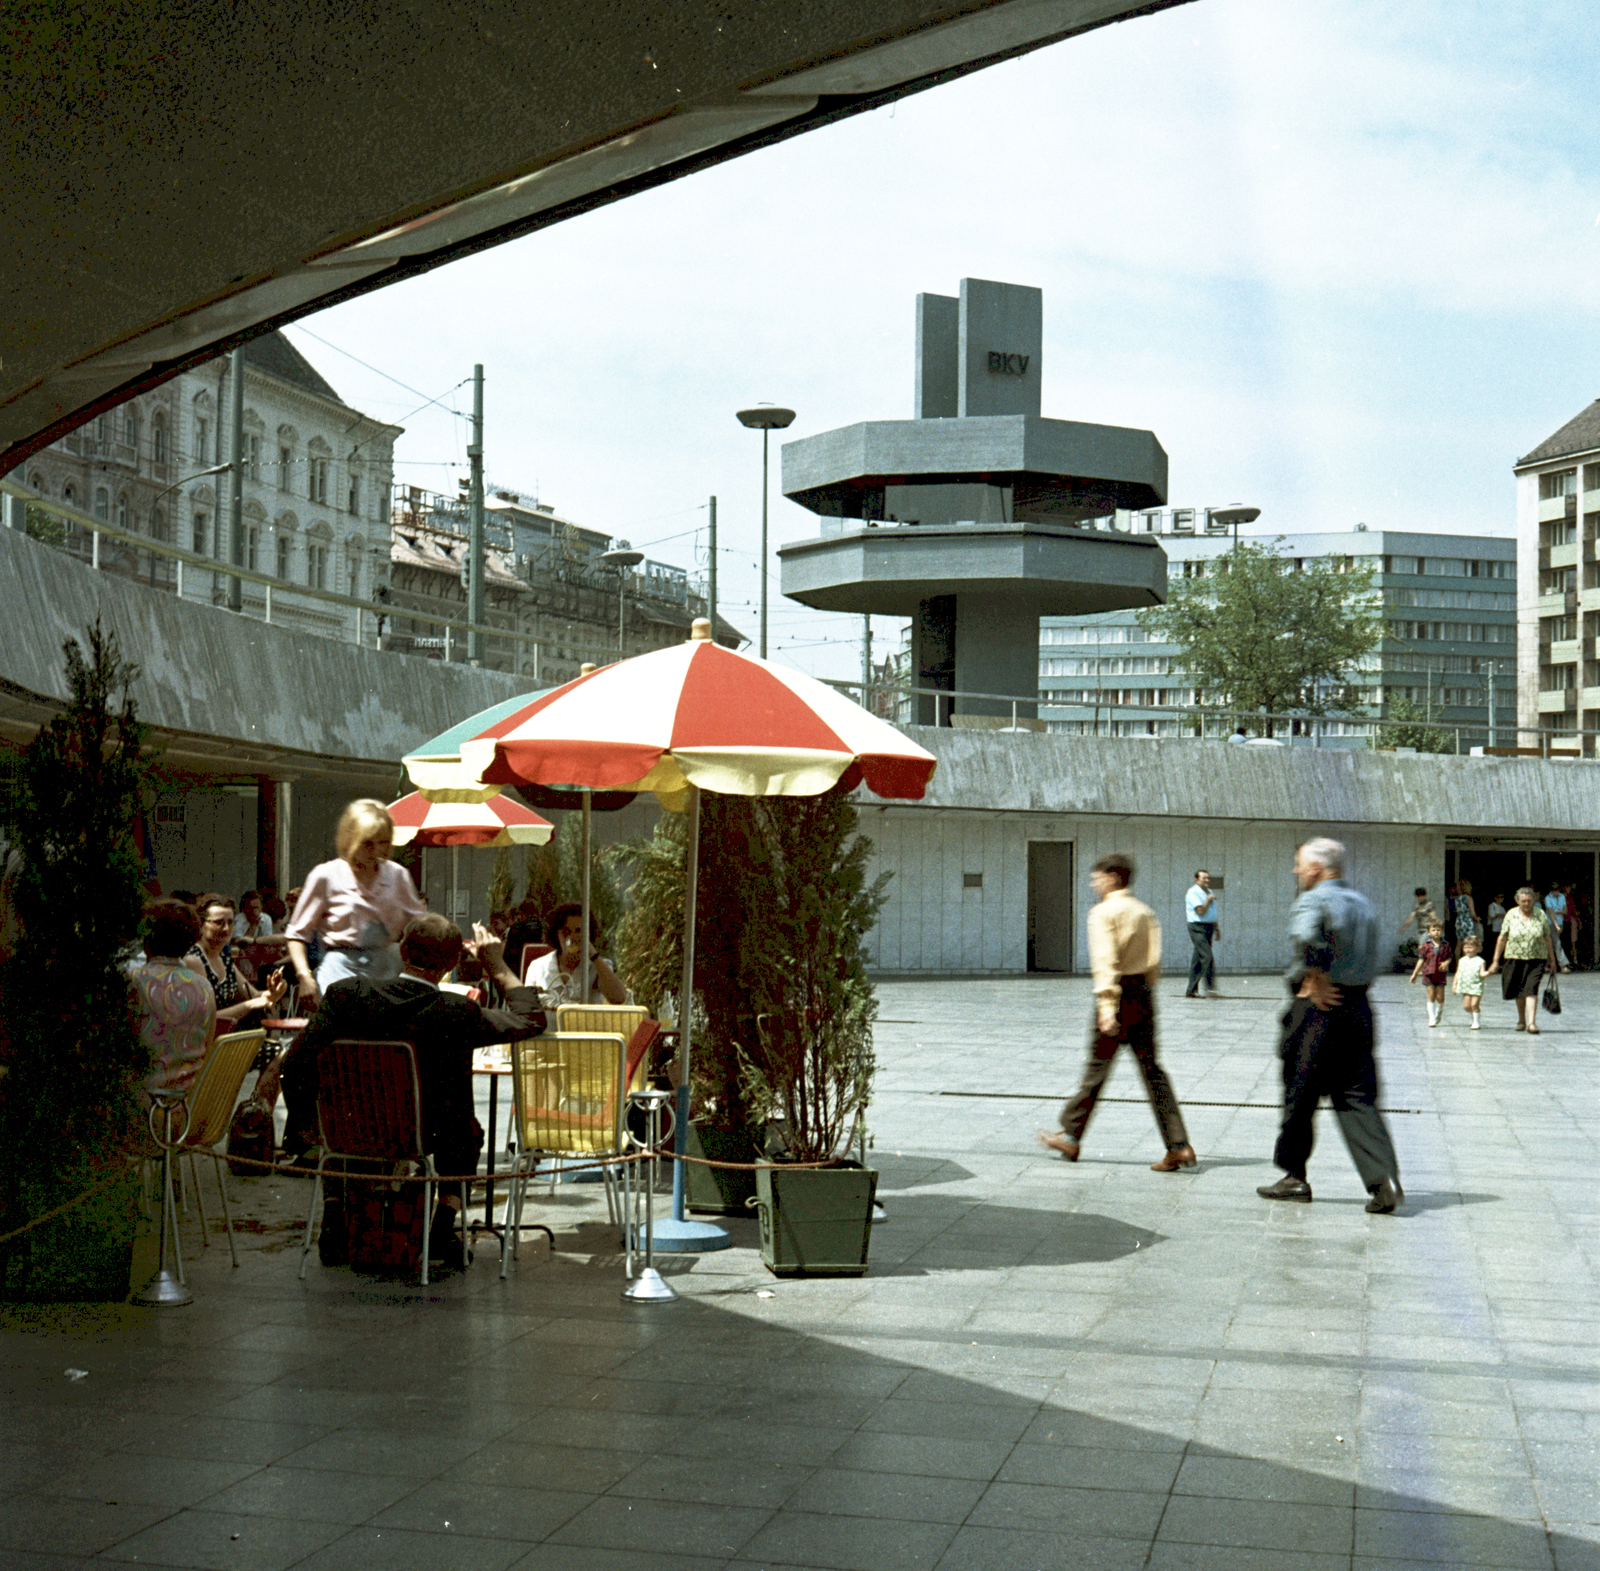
x,y
622,559
199,474
765,418
1232,517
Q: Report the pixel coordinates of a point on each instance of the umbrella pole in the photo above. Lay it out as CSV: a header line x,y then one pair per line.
x,y
455,868
583,947
681,1235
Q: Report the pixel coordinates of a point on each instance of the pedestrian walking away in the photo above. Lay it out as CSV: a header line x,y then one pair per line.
x,y
1327,1042
1125,959
1469,981
1555,905
1525,950
1433,966
1205,928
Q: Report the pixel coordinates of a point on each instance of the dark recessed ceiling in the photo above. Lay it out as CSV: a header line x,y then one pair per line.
x,y
180,177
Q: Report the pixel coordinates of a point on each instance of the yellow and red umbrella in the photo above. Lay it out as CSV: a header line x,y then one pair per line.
x,y
697,714
496,822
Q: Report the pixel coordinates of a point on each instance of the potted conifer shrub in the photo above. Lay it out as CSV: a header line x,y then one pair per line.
x,y
70,1053
810,1064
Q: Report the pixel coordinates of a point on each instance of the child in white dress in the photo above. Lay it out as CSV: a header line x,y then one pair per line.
x,y
1469,980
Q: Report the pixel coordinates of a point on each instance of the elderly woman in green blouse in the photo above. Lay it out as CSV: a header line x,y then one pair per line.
x,y
1528,948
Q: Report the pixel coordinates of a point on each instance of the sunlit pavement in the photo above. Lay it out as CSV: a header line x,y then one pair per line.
x,y
1050,1365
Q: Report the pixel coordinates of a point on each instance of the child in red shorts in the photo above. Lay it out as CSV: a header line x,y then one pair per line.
x,y
1433,966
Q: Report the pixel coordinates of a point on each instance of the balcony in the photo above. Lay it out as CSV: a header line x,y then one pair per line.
x,y
1564,555
1554,507
1589,697
1564,651
1561,701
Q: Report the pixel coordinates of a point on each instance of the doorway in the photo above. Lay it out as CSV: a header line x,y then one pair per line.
x,y
1050,923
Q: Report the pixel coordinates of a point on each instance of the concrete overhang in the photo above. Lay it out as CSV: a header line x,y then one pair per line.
x,y
1059,469
1057,569
182,179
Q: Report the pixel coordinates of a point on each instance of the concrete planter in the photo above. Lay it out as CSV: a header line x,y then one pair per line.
x,y
815,1221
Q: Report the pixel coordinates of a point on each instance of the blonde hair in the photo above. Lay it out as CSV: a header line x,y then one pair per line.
x,y
364,819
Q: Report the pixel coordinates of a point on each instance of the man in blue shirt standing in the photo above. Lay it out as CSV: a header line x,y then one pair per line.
x,y
1327,1042
1200,907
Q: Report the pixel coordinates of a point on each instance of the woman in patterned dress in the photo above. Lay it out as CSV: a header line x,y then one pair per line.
x,y
177,1010
1527,945
235,998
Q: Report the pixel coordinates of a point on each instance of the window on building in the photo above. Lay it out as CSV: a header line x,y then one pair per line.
x,y
158,524
1591,477
1402,564
202,441
352,578
1557,628
130,426
316,566
68,495
202,531
1562,482
1557,678
158,440
317,480
122,512
283,556
354,497
252,547
102,504
285,466
252,456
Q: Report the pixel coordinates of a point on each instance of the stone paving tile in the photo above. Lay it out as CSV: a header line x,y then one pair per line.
x,y
218,1541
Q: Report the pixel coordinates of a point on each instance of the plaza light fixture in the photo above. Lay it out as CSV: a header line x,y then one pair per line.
x,y
622,559
765,418
1232,517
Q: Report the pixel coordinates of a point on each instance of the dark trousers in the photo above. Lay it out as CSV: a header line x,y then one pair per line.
x,y
1136,1016
1203,962
1330,1054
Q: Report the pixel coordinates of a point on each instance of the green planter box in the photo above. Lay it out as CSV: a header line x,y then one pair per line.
x,y
84,1255
815,1221
720,1190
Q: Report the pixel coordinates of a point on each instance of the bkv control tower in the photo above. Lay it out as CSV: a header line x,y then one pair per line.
x,y
971,517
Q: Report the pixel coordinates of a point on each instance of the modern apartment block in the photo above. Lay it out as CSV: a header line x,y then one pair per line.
x,y
1449,644
1558,599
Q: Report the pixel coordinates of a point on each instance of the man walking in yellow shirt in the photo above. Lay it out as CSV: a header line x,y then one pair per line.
x,y
1125,959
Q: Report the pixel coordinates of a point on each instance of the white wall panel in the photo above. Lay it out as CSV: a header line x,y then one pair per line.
x,y
933,925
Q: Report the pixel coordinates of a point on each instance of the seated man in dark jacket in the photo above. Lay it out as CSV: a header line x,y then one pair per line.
x,y
443,1027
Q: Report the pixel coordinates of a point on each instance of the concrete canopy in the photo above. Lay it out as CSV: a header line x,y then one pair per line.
x,y
1058,470
1051,570
180,179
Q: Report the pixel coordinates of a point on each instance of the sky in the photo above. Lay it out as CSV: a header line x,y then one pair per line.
x,y
1342,258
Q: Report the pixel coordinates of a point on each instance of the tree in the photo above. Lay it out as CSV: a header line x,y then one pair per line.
x,y
1409,726
1268,637
70,1053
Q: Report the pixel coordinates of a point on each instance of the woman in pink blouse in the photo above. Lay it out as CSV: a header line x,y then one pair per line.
x,y
357,905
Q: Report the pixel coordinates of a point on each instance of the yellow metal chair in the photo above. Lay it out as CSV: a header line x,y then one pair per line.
x,y
568,1090
210,1104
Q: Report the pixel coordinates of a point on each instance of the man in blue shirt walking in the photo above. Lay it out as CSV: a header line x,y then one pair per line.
x,y
1200,908
1327,1042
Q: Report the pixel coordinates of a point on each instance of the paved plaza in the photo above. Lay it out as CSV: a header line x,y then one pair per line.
x,y
1090,1366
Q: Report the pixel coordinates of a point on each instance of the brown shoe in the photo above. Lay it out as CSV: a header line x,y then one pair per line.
x,y
1176,1157
1068,1148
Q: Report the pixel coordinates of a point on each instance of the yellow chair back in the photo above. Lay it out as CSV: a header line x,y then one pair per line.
x,y
216,1087
568,1092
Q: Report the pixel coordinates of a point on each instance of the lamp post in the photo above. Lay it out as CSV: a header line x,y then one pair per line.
x,y
622,559
765,418
1232,517
199,474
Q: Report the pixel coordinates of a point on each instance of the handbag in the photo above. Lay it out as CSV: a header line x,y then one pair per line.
x,y
251,1135
1552,997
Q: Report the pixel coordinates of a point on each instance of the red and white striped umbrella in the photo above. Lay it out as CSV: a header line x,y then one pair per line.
x,y
497,822
697,714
